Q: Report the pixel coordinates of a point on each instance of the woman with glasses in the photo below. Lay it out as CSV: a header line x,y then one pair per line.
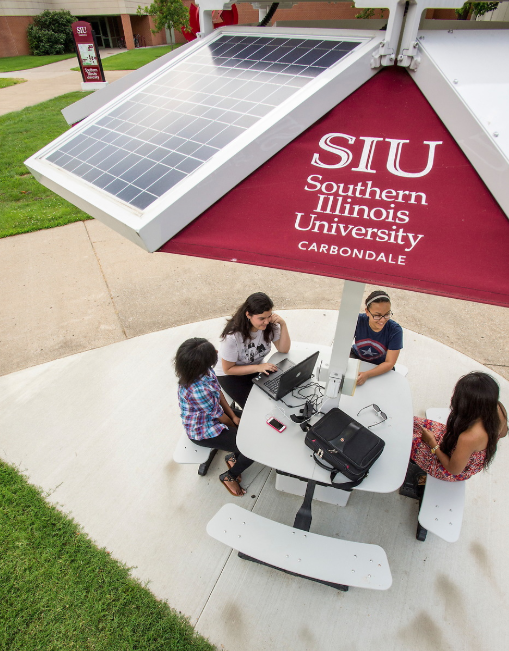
x,y
467,443
378,339
245,341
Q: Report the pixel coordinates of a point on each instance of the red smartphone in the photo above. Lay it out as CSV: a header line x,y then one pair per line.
x,y
276,424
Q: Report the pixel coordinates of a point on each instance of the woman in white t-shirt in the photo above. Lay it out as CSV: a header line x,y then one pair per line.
x,y
245,341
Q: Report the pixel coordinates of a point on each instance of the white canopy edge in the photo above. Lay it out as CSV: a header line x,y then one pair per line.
x,y
463,76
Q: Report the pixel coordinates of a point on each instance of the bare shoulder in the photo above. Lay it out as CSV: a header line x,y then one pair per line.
x,y
475,437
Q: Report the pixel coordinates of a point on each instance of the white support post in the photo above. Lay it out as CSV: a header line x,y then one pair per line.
x,y
399,24
206,25
345,329
386,53
206,8
262,7
408,56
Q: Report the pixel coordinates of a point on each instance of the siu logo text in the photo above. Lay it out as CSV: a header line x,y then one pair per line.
x,y
393,158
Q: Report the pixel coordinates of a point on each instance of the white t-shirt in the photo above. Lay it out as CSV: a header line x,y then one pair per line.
x,y
252,351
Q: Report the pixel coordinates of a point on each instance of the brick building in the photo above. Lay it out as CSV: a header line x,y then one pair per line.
x,y
115,21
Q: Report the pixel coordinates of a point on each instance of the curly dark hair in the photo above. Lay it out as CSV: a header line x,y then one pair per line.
x,y
475,397
194,358
257,303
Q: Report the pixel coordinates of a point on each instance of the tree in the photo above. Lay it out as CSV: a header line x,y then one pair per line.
x,y
368,13
51,33
475,8
169,14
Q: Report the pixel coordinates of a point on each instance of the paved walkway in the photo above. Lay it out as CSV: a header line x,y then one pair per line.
x,y
47,82
97,430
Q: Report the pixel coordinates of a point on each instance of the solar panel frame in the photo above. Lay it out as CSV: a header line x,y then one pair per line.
x,y
139,214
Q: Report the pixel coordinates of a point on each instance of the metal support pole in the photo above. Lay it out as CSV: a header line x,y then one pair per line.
x,y
206,25
345,329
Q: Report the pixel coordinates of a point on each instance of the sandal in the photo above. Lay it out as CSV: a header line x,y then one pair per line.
x,y
231,483
231,457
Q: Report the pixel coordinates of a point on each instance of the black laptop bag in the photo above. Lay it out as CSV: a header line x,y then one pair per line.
x,y
342,445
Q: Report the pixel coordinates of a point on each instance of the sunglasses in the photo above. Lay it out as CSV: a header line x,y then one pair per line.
x,y
380,413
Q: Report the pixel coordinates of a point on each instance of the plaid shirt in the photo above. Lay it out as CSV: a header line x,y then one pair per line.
x,y
200,408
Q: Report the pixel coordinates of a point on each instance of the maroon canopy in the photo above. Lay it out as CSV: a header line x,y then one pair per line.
x,y
376,191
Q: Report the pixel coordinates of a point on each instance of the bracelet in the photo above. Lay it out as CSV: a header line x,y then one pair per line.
x,y
434,450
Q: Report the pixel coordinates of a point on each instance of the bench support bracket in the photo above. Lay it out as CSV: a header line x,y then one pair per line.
x,y
336,586
204,467
304,517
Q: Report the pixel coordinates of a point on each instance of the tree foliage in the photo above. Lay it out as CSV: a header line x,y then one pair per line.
x,y
368,13
468,9
475,8
169,14
51,33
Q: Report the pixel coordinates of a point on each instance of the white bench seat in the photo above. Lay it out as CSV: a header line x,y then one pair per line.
x,y
443,502
442,507
188,452
301,552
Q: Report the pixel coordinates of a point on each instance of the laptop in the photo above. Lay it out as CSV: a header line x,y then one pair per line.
x,y
278,384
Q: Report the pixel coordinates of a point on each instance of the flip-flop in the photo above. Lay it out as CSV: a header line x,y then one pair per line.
x,y
229,457
226,476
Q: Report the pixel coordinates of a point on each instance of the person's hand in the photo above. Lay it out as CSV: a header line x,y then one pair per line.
x,y
236,421
275,318
428,437
361,378
267,368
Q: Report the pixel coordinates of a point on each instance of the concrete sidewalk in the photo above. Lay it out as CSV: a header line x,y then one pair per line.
x,y
97,430
48,81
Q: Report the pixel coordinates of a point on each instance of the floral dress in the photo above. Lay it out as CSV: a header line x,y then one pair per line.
x,y
429,462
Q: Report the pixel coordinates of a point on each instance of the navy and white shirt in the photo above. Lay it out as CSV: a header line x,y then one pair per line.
x,y
371,346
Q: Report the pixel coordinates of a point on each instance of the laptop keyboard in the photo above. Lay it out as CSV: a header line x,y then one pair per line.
x,y
273,385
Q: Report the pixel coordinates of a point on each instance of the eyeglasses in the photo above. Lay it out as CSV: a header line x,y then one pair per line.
x,y
380,413
379,317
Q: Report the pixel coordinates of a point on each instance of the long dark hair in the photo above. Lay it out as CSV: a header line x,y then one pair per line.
x,y
257,303
475,398
194,358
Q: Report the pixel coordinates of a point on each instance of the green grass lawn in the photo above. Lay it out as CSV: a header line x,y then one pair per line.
x,y
5,82
60,592
11,64
25,204
134,59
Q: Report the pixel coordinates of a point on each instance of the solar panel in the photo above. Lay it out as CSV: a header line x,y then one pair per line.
x,y
172,125
160,149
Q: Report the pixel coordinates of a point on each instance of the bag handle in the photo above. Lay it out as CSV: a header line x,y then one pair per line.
x,y
344,486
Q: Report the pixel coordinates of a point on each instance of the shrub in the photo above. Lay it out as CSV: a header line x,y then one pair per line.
x,y
51,33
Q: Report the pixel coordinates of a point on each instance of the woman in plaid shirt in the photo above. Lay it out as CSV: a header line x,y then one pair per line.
x,y
208,419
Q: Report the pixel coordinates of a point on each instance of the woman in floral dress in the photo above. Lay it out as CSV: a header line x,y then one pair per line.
x,y
468,442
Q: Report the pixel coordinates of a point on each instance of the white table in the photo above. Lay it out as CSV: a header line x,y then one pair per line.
x,y
287,452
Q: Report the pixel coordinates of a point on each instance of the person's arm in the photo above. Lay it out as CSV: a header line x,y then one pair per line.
x,y
228,418
232,368
283,343
469,441
503,420
390,360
